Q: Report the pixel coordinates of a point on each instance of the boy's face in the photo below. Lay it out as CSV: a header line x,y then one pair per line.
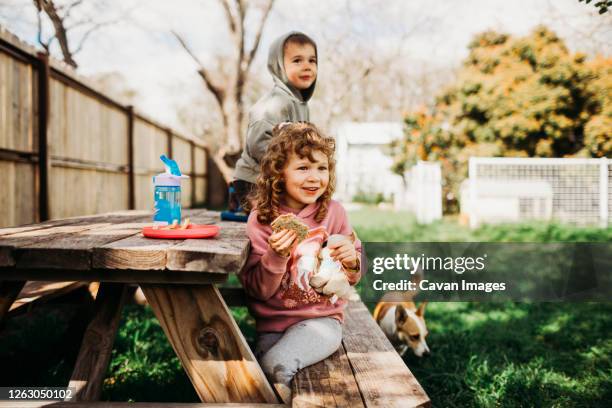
x,y
300,62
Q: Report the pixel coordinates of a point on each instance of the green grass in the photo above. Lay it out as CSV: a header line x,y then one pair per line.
x,y
517,355
506,354
386,226
483,354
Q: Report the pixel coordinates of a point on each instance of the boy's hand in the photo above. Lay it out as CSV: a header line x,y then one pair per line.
x,y
282,241
344,251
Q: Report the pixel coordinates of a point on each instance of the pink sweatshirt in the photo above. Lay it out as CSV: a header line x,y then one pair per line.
x,y
278,296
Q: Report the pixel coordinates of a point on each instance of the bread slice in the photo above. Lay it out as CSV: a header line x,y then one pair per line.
x,y
290,222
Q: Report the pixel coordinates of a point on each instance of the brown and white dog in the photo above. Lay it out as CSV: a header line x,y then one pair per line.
x,y
403,324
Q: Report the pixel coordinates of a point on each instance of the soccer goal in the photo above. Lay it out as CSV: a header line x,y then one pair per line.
x,y
508,189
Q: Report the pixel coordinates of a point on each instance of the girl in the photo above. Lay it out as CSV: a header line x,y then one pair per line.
x,y
296,325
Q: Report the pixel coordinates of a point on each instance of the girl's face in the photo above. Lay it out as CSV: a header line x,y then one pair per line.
x,y
305,181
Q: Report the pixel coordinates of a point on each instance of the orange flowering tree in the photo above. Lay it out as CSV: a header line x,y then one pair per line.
x,y
527,97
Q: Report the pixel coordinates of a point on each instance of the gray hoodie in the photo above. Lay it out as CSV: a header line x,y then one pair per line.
x,y
284,103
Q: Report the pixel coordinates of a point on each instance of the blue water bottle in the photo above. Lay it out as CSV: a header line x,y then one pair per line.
x,y
167,194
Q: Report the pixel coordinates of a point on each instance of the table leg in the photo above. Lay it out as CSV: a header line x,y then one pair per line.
x,y
209,343
8,293
94,355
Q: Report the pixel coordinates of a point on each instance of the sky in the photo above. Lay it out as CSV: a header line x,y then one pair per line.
x,y
434,34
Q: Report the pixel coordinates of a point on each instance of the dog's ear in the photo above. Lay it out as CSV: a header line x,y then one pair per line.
x,y
421,310
401,314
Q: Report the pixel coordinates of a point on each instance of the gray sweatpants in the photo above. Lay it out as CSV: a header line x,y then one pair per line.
x,y
281,355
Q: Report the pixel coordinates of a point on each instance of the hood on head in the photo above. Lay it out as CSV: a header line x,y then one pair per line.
x,y
276,66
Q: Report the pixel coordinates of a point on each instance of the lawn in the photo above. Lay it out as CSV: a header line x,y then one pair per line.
x,y
506,354
483,354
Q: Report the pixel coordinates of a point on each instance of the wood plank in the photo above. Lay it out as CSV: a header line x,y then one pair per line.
x,y
72,220
108,404
382,377
10,242
74,251
92,362
140,253
329,383
39,226
17,195
98,191
40,291
111,275
120,215
226,253
9,290
135,253
209,343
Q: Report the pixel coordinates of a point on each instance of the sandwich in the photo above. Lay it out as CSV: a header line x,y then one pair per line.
x,y
292,223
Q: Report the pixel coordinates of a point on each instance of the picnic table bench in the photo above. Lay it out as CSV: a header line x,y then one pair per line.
x,y
179,279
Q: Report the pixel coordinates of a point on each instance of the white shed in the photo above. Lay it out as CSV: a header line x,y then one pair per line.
x,y
362,163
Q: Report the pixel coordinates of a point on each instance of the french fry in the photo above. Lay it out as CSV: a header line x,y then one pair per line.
x,y
185,224
169,227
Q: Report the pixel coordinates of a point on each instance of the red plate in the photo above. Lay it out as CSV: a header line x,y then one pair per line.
x,y
192,231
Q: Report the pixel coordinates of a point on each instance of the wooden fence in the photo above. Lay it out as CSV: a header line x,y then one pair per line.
x,y
67,149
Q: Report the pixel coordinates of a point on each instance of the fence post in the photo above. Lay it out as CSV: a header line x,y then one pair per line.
x,y
130,136
193,173
43,147
169,133
419,207
473,192
603,192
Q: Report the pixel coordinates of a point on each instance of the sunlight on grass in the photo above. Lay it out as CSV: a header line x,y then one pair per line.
x,y
506,354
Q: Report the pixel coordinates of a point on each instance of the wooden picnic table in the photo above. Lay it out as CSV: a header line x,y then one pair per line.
x,y
178,278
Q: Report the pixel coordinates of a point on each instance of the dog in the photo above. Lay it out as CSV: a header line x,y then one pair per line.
x,y
403,323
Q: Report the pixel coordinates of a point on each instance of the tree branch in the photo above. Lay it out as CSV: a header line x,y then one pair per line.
x,y
70,7
58,25
43,44
251,54
239,39
230,17
217,91
89,32
241,13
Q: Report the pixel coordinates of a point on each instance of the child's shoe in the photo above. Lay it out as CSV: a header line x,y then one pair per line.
x,y
235,211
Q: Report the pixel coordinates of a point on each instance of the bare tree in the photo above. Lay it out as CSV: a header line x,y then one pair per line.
x,y
370,82
205,123
228,92
62,21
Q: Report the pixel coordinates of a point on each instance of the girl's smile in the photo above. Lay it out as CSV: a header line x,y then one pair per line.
x,y
305,181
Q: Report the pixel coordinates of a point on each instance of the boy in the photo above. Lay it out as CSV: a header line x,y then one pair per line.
x,y
292,61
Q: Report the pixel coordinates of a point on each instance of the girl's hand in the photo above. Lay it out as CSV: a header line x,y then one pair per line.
x,y
282,241
344,251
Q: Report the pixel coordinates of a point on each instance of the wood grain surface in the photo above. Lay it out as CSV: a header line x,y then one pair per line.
x,y
209,343
383,378
92,362
329,383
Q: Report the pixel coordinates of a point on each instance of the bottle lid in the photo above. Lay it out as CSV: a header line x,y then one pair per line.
x,y
165,179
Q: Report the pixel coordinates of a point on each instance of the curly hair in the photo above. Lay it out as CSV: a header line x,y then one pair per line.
x,y
301,139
